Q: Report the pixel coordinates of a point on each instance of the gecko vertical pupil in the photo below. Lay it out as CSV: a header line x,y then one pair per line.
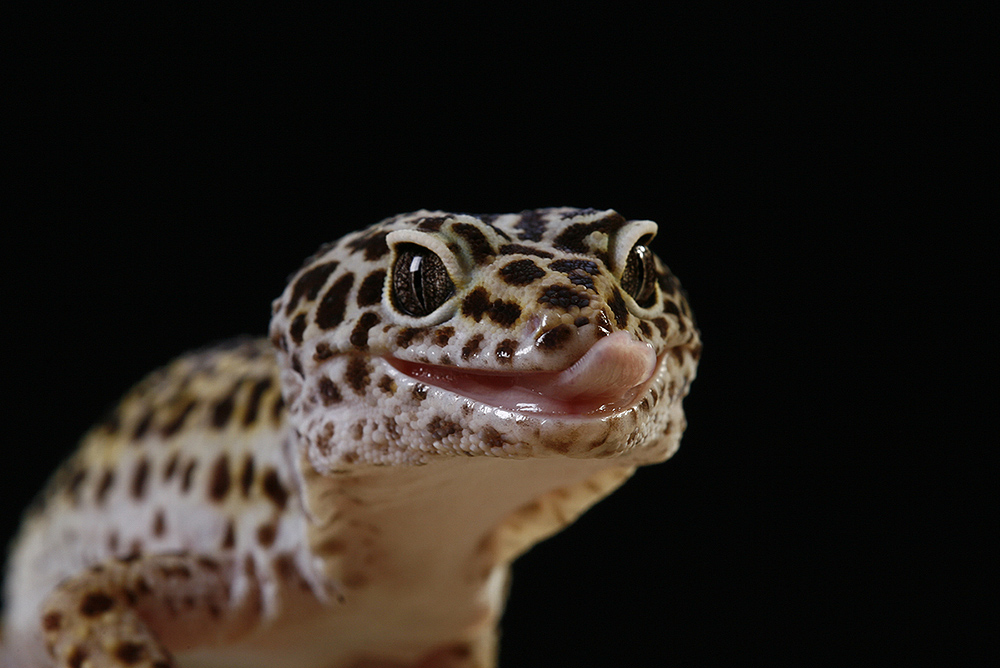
x,y
420,282
638,275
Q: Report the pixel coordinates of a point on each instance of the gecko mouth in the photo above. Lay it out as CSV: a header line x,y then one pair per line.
x,y
609,377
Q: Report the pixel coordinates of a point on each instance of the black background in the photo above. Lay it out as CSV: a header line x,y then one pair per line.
x,y
170,170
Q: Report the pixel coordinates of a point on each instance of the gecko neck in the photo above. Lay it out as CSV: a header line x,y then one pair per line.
x,y
431,544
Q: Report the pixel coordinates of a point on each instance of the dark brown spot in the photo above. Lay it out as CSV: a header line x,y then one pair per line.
x,y
471,346
219,480
277,410
505,351
476,303
328,392
142,587
618,308
266,533
159,524
582,321
171,467
419,392
646,330
284,566
661,324
188,475
504,313
74,484
562,296
357,374
77,657
297,366
229,538
573,265
555,338
130,653
479,247
176,571
143,426
359,337
131,557
373,244
431,223
443,335
370,292
274,490
332,545
139,478
298,326
580,272
96,603
209,564
518,249
532,226
572,238
330,311
521,272
246,477
358,430
491,437
223,409
107,482
441,428
309,284
52,621
323,351
174,425
409,335
387,385
253,404
113,542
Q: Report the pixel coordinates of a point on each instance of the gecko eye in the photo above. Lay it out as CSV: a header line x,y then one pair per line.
x,y
420,282
639,277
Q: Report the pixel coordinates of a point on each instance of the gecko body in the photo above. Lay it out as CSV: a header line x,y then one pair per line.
x,y
437,393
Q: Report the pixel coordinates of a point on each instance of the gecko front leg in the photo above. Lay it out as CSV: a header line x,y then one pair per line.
x,y
137,612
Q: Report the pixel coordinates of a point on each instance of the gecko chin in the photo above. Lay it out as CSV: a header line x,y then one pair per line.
x,y
610,378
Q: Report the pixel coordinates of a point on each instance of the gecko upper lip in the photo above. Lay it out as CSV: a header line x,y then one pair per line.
x,y
607,378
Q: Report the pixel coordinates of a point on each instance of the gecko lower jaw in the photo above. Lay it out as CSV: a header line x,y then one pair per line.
x,y
608,378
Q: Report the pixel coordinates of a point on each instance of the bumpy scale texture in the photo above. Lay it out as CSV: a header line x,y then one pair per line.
x,y
438,393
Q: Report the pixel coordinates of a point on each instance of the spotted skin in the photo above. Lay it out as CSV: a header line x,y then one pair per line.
x,y
323,498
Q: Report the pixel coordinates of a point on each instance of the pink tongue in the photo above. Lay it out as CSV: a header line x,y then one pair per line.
x,y
613,366
608,377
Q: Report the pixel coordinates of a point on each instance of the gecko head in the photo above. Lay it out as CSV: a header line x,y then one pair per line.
x,y
553,332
